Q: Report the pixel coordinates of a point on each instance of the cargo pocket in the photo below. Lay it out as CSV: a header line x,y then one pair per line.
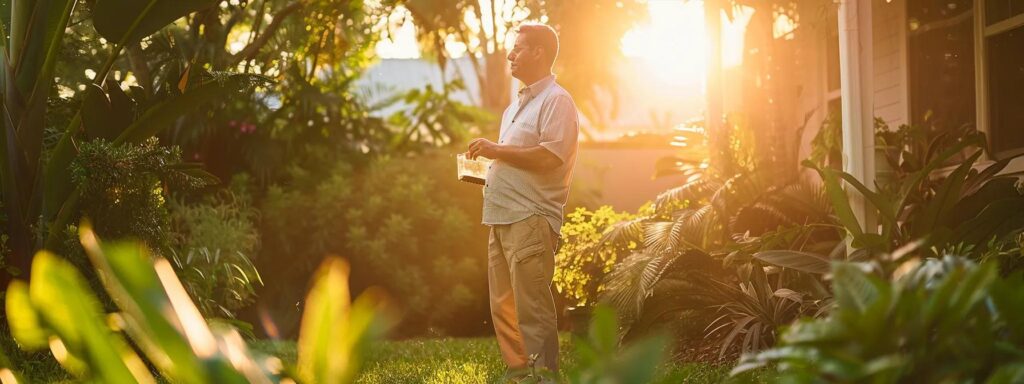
x,y
527,258
528,263
528,252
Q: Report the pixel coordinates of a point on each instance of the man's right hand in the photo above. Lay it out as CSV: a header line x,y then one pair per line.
x,y
483,147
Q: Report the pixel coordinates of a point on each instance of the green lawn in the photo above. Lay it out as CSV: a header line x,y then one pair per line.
x,y
476,361
427,361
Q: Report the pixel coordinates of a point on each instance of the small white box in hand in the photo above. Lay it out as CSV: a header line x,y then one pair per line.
x,y
473,171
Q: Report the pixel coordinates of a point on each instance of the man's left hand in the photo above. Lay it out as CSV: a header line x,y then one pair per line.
x,y
483,147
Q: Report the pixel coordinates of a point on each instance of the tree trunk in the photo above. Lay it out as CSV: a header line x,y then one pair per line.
x,y
759,102
713,124
495,89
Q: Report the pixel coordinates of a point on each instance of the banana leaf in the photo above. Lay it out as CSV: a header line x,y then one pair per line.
x,y
114,19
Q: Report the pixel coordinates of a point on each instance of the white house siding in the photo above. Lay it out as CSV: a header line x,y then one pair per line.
x,y
890,68
808,82
891,99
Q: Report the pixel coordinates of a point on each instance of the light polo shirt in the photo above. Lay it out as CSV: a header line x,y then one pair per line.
x,y
545,115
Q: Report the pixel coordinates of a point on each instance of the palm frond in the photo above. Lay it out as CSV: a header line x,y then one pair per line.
x,y
696,188
698,227
624,232
682,293
802,200
669,236
661,236
629,285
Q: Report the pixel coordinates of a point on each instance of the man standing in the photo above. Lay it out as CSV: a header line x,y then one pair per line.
x,y
526,189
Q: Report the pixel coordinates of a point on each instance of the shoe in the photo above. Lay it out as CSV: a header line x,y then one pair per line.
x,y
524,376
515,375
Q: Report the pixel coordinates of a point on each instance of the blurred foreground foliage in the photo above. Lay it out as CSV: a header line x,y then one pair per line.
x,y
157,333
942,319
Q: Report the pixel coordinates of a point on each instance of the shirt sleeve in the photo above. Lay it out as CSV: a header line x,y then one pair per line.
x,y
559,126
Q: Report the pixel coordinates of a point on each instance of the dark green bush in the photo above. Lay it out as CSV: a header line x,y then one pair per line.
x,y
214,240
125,188
940,320
405,224
224,221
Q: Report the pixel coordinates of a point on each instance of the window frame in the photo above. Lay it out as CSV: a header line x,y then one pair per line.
x,y
981,76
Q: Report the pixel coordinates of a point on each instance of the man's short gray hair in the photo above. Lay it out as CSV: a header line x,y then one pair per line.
x,y
541,35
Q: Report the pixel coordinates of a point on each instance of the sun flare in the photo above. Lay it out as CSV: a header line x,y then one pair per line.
x,y
673,42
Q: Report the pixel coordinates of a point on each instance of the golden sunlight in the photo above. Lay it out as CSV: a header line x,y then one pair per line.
x,y
674,43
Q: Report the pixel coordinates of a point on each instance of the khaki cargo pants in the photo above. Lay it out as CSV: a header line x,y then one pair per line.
x,y
521,264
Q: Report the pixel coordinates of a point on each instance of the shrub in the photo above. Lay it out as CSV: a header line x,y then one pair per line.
x,y
212,245
969,205
124,187
222,222
219,282
699,267
586,255
404,222
943,320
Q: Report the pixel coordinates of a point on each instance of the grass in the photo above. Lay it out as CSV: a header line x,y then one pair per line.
x,y
477,361
421,361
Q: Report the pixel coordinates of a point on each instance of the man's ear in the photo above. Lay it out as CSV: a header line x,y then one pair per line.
x,y
538,53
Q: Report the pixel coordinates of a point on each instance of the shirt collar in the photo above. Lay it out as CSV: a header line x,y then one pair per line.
x,y
534,89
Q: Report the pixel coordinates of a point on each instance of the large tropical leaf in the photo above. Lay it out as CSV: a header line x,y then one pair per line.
x,y
105,115
840,200
854,288
998,217
914,180
26,326
978,179
801,261
162,115
37,31
945,198
114,18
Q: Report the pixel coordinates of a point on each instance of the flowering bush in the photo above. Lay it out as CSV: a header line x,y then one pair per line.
x,y
586,255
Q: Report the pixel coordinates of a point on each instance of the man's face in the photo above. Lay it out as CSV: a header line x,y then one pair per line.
x,y
523,58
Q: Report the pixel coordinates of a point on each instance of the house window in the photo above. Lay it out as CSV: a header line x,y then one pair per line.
x,y
1000,10
941,60
1004,61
